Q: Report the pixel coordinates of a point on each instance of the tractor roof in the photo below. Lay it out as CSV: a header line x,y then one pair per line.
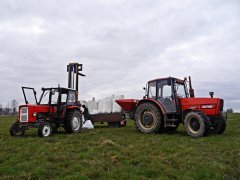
x,y
58,88
160,79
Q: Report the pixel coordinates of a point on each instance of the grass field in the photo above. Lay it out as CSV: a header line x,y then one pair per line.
x,y
120,153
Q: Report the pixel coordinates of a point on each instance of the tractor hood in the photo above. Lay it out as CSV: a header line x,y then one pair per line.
x,y
210,106
28,113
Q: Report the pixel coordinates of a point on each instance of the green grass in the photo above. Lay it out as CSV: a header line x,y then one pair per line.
x,y
120,153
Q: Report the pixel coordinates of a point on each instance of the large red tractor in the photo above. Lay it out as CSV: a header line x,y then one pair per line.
x,y
168,102
57,107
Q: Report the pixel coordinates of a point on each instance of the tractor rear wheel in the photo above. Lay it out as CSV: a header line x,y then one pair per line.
x,y
73,122
148,118
196,124
45,130
15,130
219,126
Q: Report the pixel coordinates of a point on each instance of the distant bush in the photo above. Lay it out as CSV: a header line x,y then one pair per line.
x,y
230,110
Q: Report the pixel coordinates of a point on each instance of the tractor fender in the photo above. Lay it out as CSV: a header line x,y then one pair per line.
x,y
155,102
73,108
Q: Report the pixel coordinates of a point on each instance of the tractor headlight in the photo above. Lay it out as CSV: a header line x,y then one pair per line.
x,y
208,106
34,114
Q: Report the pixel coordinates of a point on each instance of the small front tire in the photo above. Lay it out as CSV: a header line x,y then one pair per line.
x,y
196,124
219,126
15,130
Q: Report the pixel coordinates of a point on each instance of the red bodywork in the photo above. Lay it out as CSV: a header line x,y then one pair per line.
x,y
210,106
35,109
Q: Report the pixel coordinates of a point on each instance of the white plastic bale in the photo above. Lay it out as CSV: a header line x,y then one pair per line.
x,y
83,102
100,106
88,125
115,107
107,104
92,106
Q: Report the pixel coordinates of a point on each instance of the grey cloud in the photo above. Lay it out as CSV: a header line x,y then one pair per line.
x,y
122,45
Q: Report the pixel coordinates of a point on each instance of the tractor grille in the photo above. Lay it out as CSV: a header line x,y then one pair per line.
x,y
24,114
221,105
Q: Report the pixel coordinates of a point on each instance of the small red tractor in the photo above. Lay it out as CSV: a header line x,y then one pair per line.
x,y
168,103
57,107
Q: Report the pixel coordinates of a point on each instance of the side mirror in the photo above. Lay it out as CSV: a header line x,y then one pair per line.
x,y
211,94
144,88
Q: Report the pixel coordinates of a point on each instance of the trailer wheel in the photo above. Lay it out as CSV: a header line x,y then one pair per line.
x,y
196,124
148,118
73,122
15,130
219,126
45,130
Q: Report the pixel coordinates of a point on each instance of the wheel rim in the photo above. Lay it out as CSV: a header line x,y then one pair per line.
x,y
18,132
194,125
147,120
76,123
46,130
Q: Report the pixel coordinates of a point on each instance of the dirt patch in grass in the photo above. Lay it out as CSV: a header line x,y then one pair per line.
x,y
108,142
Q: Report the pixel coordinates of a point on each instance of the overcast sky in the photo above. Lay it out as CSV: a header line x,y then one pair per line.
x,y
122,44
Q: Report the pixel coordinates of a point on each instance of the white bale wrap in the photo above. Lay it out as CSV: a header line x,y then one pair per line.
x,y
88,125
83,102
115,107
92,106
107,104
100,106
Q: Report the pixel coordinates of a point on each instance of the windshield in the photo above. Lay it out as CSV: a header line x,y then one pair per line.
x,y
46,94
180,90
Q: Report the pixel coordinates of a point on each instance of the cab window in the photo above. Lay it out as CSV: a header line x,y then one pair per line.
x,y
152,90
71,97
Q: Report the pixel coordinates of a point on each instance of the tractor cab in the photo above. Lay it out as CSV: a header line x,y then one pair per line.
x,y
57,99
50,96
168,92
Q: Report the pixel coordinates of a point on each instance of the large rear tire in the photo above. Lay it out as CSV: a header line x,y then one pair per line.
x,y
148,118
219,126
196,124
15,130
73,122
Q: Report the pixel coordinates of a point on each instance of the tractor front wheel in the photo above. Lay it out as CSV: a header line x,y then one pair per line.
x,y
15,130
196,124
73,122
45,130
148,118
219,126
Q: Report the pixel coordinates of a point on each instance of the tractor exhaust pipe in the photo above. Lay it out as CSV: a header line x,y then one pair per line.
x,y
191,90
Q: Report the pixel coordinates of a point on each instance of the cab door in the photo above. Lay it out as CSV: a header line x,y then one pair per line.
x,y
166,96
29,95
